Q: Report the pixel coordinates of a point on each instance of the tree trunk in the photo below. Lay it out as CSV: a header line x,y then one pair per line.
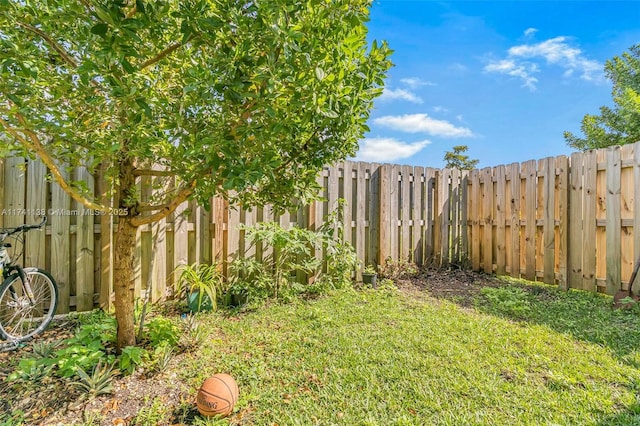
x,y
123,268
124,286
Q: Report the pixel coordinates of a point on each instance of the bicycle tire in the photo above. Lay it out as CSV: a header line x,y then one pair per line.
x,y
19,320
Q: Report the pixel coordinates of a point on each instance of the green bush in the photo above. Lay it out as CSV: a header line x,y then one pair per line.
x,y
292,252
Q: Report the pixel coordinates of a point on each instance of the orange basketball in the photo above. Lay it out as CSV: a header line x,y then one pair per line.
x,y
217,395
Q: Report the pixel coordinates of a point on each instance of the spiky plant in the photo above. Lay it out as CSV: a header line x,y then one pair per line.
x,y
100,382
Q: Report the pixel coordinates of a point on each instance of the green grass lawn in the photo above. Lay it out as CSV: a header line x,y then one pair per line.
x,y
534,357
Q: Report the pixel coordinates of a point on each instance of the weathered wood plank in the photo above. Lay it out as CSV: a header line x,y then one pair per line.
x,y
500,212
444,210
487,220
384,212
360,217
549,238
589,204
627,259
575,237
60,244
233,234
203,236
36,208
334,187
16,179
394,211
562,232
454,216
474,216
406,249
463,255
530,201
347,212
417,209
373,248
84,248
514,185
181,239
106,242
430,194
614,276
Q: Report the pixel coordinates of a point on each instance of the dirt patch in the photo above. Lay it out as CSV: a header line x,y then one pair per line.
x,y
456,285
53,401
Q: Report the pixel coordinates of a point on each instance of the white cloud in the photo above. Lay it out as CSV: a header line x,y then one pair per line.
x,y
422,123
405,95
557,51
521,61
530,31
387,149
414,82
439,108
515,69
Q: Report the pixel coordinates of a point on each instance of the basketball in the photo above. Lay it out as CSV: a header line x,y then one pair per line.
x,y
217,395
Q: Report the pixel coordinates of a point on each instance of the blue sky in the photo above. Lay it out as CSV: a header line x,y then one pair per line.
x,y
505,78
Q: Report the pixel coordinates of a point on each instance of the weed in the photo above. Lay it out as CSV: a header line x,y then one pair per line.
x,y
152,414
512,301
12,419
397,269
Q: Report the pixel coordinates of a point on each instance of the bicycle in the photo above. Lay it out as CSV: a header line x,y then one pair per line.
x,y
28,296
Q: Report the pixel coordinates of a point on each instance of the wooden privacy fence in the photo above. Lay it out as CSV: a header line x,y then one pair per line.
x,y
565,220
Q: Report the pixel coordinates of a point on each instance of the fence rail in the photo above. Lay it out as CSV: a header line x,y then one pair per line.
x,y
565,220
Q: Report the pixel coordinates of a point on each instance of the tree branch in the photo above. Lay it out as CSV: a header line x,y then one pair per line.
x,y
51,42
166,209
150,172
172,47
143,207
35,145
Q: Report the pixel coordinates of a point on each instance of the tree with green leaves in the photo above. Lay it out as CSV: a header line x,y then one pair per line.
x,y
457,159
619,125
240,98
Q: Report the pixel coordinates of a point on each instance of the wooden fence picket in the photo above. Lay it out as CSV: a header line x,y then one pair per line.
x,y
571,221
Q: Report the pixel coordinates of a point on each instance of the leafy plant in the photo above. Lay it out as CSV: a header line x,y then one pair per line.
x,y
132,357
162,331
205,281
85,349
99,382
369,269
274,276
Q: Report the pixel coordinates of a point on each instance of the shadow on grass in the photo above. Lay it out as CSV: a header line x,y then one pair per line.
x,y
585,316
629,417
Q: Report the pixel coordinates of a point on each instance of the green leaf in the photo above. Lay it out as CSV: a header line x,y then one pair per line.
x,y
100,29
127,66
140,6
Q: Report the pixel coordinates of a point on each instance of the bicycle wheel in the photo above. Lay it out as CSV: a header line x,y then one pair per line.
x,y
19,318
